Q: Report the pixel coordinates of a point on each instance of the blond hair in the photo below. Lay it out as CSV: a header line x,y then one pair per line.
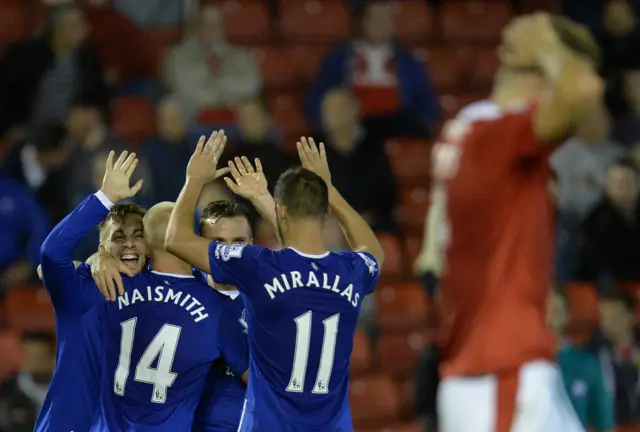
x,y
577,38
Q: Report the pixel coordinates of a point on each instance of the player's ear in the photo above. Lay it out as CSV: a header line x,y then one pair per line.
x,y
251,240
101,248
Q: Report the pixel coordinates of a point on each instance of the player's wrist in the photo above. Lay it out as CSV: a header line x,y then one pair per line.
x,y
107,198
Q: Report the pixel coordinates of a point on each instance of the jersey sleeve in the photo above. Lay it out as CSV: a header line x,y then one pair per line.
x,y
234,264
600,410
365,267
232,336
522,142
70,288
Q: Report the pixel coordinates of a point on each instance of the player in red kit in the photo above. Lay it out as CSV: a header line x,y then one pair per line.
x,y
491,171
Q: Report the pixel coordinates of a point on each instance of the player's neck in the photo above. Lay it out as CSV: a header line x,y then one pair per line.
x,y
305,237
165,263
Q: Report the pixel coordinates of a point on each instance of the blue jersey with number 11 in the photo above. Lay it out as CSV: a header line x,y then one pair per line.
x,y
302,312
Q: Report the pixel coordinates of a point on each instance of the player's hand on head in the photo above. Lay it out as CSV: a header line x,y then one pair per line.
x,y
248,182
116,183
106,272
314,158
203,164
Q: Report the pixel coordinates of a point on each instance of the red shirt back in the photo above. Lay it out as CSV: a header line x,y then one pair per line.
x,y
498,242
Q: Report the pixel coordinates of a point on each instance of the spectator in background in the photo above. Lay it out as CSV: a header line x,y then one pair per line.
x,y
611,230
119,42
169,149
91,140
208,72
40,77
627,125
620,354
257,138
23,227
581,372
619,36
21,396
389,83
360,169
581,165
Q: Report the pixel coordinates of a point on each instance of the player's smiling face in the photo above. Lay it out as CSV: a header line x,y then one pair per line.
x,y
228,230
125,241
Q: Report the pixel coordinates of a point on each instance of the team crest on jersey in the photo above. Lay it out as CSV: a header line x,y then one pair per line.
x,y
371,264
226,251
243,321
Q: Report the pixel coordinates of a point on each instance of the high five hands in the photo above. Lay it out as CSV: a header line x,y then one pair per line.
x,y
202,167
117,176
249,183
314,159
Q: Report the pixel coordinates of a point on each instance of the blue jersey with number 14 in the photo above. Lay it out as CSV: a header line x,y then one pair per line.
x,y
302,312
160,340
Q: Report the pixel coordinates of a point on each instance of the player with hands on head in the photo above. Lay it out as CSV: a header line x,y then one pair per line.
x,y
72,398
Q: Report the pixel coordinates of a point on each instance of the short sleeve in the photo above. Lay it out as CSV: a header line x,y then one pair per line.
x,y
232,336
522,142
234,264
365,267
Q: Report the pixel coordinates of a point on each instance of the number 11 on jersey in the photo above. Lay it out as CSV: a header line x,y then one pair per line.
x,y
301,355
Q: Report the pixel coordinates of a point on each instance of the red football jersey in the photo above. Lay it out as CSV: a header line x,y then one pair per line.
x,y
497,239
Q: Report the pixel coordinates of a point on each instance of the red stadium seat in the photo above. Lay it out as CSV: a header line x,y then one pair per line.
x,y
286,112
443,65
10,358
361,356
314,21
133,117
484,68
413,246
307,60
374,401
158,41
246,21
414,203
276,65
632,288
406,390
476,22
399,353
410,160
12,22
29,309
452,103
414,21
402,306
393,265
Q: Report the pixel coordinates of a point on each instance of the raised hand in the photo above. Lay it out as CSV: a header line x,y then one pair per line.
x,y
116,181
313,159
247,182
203,164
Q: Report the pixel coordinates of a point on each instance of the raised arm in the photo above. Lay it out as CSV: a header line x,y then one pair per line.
x,y
358,233
59,273
251,184
575,85
181,240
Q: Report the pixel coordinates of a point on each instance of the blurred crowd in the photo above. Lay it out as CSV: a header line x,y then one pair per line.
x,y
79,79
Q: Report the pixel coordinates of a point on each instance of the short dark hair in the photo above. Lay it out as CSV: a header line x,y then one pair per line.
x,y
304,193
624,162
223,209
34,336
619,296
119,213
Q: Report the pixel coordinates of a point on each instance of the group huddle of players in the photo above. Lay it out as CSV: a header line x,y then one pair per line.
x,y
159,349
144,354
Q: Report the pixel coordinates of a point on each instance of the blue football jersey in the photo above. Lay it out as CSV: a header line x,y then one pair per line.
x,y
221,403
71,403
159,342
297,305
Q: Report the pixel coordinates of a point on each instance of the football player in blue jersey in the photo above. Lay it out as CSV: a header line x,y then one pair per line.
x,y
71,402
299,299
221,402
